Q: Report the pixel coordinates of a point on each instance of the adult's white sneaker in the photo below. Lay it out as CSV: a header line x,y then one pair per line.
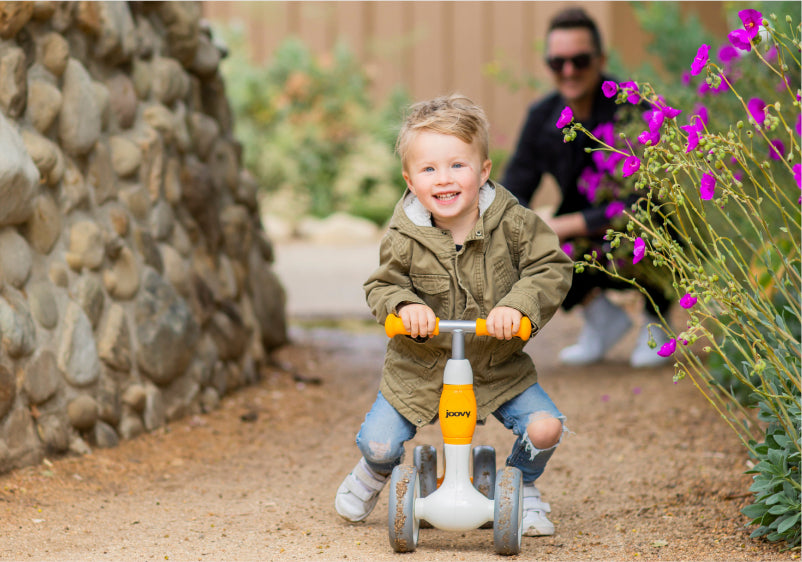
x,y
605,325
642,354
536,524
359,492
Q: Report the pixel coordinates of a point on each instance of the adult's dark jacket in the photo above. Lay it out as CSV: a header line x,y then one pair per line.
x,y
541,150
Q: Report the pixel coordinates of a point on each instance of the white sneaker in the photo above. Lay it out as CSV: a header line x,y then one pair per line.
x,y
536,524
605,324
359,492
644,355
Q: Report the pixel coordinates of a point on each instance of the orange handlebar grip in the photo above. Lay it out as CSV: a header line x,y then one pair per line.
x,y
524,331
394,326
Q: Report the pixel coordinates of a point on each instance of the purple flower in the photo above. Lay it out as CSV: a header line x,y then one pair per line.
x,y
589,181
609,88
631,165
799,124
756,107
798,175
686,77
727,53
708,186
568,248
777,149
668,348
693,129
700,60
649,136
701,111
605,132
751,20
639,250
687,301
771,54
632,91
740,39
656,120
614,209
566,116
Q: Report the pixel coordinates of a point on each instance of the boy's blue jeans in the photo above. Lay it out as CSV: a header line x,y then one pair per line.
x,y
383,434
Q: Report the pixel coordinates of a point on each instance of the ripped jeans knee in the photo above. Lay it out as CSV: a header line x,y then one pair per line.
x,y
382,436
539,428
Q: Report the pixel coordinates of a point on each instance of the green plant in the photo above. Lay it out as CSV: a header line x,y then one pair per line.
x,y
717,214
311,134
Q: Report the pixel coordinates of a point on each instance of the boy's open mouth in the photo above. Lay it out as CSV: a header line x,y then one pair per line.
x,y
446,196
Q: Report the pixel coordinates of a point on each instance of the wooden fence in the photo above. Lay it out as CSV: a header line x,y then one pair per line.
x,y
481,49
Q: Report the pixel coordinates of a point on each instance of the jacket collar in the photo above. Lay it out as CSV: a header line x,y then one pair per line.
x,y
420,216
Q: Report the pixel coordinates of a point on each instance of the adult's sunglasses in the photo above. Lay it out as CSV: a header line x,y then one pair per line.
x,y
580,61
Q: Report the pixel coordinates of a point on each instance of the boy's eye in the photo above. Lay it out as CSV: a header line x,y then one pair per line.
x,y
428,169
457,165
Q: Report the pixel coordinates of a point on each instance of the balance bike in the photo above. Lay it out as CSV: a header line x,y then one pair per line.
x,y
457,504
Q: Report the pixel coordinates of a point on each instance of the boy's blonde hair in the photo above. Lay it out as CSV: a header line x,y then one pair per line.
x,y
454,115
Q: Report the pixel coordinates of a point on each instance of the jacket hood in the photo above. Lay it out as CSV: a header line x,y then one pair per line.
x,y
412,219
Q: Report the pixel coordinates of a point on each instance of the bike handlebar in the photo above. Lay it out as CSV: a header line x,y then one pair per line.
x,y
394,326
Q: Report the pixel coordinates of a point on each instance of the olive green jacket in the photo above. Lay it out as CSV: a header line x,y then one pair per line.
x,y
512,258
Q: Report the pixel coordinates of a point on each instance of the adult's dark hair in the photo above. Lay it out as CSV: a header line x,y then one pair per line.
x,y
573,18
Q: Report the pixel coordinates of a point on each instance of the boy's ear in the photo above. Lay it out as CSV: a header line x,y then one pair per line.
x,y
409,183
487,165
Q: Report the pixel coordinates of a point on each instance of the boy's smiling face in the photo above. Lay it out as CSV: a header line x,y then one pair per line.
x,y
445,174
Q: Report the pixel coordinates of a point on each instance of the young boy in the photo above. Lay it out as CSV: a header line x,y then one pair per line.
x,y
459,247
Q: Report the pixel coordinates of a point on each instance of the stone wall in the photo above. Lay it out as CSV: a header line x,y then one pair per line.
x,y
136,284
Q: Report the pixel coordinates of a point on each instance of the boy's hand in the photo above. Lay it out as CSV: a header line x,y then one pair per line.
x,y
503,322
419,320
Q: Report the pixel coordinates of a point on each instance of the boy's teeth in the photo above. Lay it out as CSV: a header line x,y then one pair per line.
x,y
445,196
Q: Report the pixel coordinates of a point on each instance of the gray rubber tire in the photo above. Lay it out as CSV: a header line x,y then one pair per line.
x,y
484,470
425,459
401,522
508,511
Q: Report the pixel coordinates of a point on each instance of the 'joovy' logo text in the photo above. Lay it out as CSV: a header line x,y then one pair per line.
x,y
450,414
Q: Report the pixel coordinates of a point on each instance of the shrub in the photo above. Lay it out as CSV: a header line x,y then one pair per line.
x,y
310,133
715,211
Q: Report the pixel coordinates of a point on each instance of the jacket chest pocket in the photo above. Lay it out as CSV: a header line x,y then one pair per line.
x,y
435,291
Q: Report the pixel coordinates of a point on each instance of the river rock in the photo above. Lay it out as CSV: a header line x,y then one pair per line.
x,y
44,104
165,330
8,390
15,258
41,377
17,328
154,415
82,412
77,353
13,82
104,436
19,177
44,225
54,53
114,339
13,17
54,433
43,304
86,246
80,119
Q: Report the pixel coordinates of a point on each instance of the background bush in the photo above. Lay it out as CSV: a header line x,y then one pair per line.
x,y
311,133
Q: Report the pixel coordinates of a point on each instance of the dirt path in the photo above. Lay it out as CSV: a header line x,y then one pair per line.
x,y
650,473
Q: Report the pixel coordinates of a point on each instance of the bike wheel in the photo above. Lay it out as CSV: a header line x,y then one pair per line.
x,y
508,511
402,525
484,470
425,459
